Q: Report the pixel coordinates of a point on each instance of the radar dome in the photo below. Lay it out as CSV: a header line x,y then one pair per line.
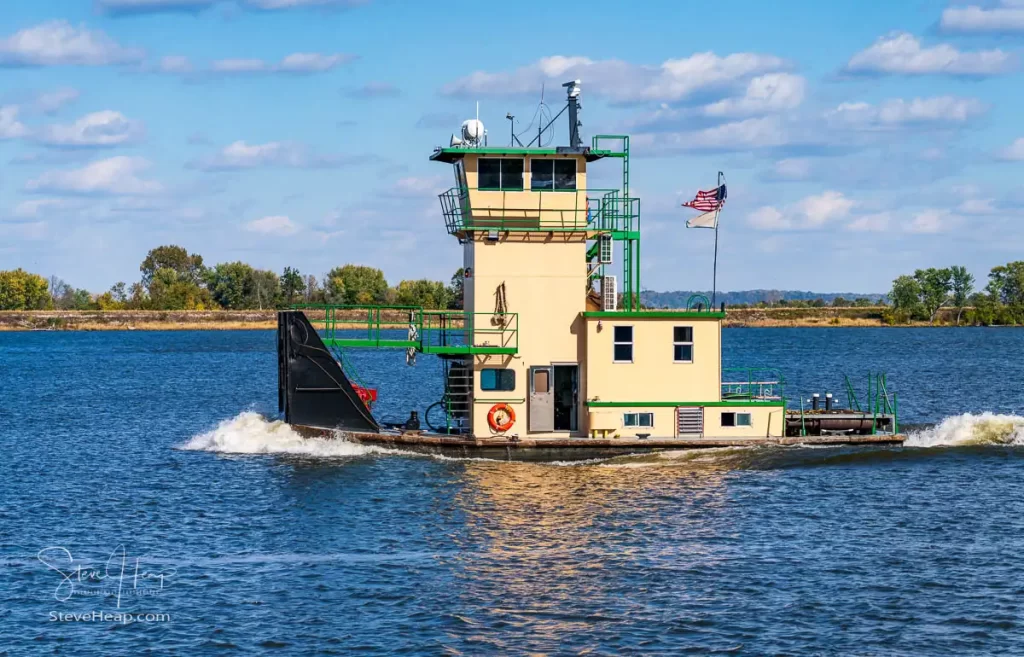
x,y
473,130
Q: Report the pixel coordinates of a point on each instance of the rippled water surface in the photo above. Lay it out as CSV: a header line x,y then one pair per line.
x,y
240,537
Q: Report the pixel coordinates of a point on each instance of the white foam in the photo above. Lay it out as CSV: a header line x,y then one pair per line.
x,y
251,433
970,429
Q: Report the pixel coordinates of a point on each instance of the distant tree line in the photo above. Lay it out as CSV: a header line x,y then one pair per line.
x,y
764,299
922,295
174,279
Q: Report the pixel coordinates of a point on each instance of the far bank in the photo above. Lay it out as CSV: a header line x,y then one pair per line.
x,y
229,320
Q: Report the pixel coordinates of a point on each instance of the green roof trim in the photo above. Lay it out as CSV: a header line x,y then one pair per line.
x,y
709,404
653,314
454,154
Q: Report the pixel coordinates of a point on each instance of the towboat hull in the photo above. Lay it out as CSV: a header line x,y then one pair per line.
x,y
570,449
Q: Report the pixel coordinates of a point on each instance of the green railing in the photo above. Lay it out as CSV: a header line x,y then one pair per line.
x,y
404,327
752,384
604,210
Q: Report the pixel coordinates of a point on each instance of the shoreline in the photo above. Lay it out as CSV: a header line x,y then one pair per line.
x,y
265,320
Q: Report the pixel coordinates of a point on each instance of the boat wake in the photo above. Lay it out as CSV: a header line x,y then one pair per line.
x,y
970,430
251,433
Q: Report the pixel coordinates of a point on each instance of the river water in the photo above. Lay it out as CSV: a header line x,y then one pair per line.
x,y
147,502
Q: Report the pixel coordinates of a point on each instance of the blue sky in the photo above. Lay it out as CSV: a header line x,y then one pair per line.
x,y
861,140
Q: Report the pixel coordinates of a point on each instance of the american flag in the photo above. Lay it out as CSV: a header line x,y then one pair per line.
x,y
707,201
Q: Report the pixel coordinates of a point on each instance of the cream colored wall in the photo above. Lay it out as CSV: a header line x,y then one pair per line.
x,y
545,281
548,208
653,376
765,421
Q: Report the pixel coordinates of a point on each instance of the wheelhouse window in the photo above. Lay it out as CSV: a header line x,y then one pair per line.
x,y
736,420
682,344
645,420
500,173
497,379
622,339
553,175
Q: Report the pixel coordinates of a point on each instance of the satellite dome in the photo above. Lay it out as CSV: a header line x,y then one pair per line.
x,y
473,131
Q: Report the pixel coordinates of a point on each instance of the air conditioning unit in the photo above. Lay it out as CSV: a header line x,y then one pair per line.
x,y
604,249
609,293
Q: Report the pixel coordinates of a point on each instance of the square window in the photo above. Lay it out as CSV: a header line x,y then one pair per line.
x,y
542,174
565,175
728,419
512,173
682,353
497,379
488,171
682,334
743,420
623,333
624,353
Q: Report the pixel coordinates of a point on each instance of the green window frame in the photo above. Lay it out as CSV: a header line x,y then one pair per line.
x,y
497,379
502,174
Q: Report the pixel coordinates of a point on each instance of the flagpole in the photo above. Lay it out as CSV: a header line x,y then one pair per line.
x,y
714,271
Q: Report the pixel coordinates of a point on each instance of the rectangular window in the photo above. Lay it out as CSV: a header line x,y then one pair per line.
x,y
736,420
622,339
541,380
557,175
682,344
500,173
497,379
645,420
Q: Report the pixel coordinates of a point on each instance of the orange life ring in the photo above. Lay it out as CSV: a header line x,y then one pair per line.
x,y
507,424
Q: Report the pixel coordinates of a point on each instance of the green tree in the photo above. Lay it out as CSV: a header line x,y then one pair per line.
x,y
266,289
905,297
862,302
313,293
962,285
292,286
188,267
230,284
169,291
20,290
456,289
1006,283
431,295
356,285
839,302
936,286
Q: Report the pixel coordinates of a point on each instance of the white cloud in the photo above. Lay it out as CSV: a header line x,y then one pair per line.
x,y
871,223
175,64
902,53
10,126
300,62
276,225
931,221
792,169
773,92
34,208
112,176
977,206
242,155
808,213
764,132
127,7
106,128
1014,151
52,101
672,80
973,19
58,43
296,4
898,112
413,186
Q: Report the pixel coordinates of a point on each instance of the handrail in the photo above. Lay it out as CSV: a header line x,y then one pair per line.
x,y
752,384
